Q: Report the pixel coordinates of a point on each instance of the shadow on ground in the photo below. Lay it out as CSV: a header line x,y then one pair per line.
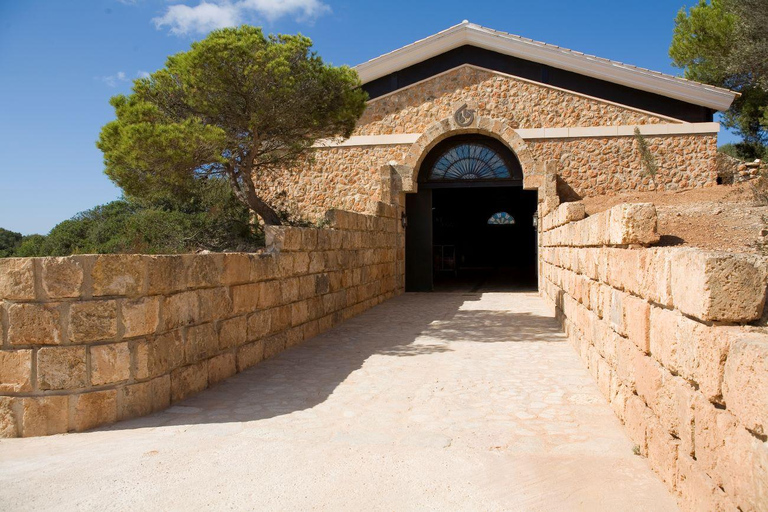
x,y
305,376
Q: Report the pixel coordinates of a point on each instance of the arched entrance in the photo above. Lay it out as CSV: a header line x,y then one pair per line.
x,y
470,225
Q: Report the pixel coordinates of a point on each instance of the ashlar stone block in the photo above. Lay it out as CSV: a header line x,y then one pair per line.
x,y
62,277
15,371
140,316
93,320
44,415
34,324
745,382
718,287
17,279
118,274
61,368
110,363
92,409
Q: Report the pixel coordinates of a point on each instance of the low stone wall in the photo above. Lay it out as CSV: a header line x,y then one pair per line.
x,y
674,339
90,340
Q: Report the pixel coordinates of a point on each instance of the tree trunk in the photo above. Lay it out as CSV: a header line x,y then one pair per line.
x,y
246,194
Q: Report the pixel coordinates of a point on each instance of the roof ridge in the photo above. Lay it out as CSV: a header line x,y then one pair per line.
x,y
466,33
603,59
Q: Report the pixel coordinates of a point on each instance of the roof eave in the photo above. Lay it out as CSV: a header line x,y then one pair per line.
x,y
470,34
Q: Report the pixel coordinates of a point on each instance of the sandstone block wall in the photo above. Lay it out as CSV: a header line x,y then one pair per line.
x,y
90,340
674,339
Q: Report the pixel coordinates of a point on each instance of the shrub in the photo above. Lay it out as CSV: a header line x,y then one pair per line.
x,y
209,219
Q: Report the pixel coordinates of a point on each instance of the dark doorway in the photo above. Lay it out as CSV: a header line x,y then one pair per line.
x,y
470,226
483,238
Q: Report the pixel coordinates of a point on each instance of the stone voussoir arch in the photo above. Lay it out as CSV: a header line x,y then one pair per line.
x,y
533,171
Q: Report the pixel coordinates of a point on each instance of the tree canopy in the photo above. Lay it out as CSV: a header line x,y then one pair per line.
x,y
237,105
725,43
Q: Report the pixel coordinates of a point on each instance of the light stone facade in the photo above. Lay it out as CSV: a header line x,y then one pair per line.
x,y
347,176
521,103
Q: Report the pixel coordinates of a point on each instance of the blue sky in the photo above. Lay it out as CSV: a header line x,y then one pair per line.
x,y
62,60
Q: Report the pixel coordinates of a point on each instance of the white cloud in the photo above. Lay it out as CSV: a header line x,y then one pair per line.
x,y
182,19
120,77
113,80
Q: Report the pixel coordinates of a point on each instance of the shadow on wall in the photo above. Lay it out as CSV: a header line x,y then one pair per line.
x,y
305,376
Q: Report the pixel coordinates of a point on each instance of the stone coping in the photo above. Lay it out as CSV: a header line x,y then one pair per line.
x,y
540,134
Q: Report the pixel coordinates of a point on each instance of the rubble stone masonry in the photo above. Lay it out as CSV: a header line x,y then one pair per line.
x,y
90,340
674,339
346,176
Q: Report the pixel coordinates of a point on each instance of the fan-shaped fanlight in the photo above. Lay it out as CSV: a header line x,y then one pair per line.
x,y
501,219
469,162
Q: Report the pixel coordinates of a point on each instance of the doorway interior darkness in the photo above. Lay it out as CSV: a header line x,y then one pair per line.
x,y
470,226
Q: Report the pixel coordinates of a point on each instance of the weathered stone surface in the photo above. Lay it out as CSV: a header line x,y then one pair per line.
x,y
745,384
180,309
61,368
698,491
202,342
637,314
716,286
119,274
161,393
188,380
17,279
110,363
648,377
233,332
62,277
140,316
15,371
135,400
155,357
204,270
250,355
214,303
8,421
259,325
34,324
166,274
144,398
92,409
633,224
691,349
44,415
269,295
221,367
237,269
93,320
662,453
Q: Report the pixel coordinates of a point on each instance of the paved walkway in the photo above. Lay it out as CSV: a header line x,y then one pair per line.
x,y
427,402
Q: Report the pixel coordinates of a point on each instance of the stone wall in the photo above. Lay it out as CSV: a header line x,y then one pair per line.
x,y
520,103
347,176
344,178
90,340
594,166
673,337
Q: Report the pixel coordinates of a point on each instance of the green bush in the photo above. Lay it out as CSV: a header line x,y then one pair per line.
x,y
210,219
9,240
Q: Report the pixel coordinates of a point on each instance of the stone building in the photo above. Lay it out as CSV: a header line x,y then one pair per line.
x,y
468,119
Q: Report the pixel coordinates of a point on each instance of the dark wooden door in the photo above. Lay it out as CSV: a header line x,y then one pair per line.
x,y
418,241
